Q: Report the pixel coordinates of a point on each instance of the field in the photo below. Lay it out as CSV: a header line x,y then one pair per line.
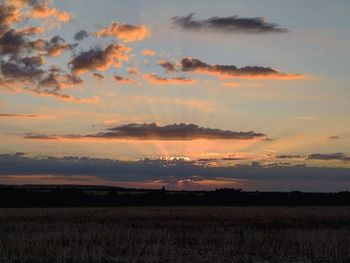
x,y
177,234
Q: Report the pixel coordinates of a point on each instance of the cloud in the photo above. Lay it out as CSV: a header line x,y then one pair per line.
x,y
17,43
317,156
329,157
60,81
22,65
98,59
44,11
231,24
189,64
148,52
66,97
98,76
40,137
168,66
14,42
125,32
153,131
155,79
80,35
291,156
56,46
231,84
20,116
200,105
21,71
133,70
9,15
334,137
121,79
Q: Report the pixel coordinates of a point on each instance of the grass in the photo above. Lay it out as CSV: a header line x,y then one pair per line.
x,y
178,234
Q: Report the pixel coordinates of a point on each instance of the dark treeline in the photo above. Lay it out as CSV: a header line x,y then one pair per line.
x,y
85,196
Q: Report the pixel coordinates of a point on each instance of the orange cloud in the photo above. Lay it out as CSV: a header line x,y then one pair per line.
x,y
231,84
10,15
133,70
155,79
57,50
148,52
125,32
44,11
31,30
99,59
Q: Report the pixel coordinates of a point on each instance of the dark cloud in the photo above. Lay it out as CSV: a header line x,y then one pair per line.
x,y
168,66
13,42
121,79
98,76
329,156
57,45
97,58
181,131
57,81
21,71
189,64
232,24
153,131
80,35
22,65
17,42
233,158
53,47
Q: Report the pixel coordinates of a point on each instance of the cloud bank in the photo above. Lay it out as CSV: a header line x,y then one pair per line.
x,y
174,173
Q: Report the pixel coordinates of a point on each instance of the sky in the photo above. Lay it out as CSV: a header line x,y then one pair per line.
x,y
186,94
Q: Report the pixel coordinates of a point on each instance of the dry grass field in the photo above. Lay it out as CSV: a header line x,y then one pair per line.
x,y
177,234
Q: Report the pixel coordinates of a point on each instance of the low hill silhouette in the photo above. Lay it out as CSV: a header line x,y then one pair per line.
x,y
85,196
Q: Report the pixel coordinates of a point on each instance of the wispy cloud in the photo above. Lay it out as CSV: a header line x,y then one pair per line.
x,y
155,79
22,116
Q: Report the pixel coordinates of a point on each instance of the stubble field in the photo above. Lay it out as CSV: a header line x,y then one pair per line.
x,y
175,234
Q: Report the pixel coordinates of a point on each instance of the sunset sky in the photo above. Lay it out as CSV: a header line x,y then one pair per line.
x,y
200,88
